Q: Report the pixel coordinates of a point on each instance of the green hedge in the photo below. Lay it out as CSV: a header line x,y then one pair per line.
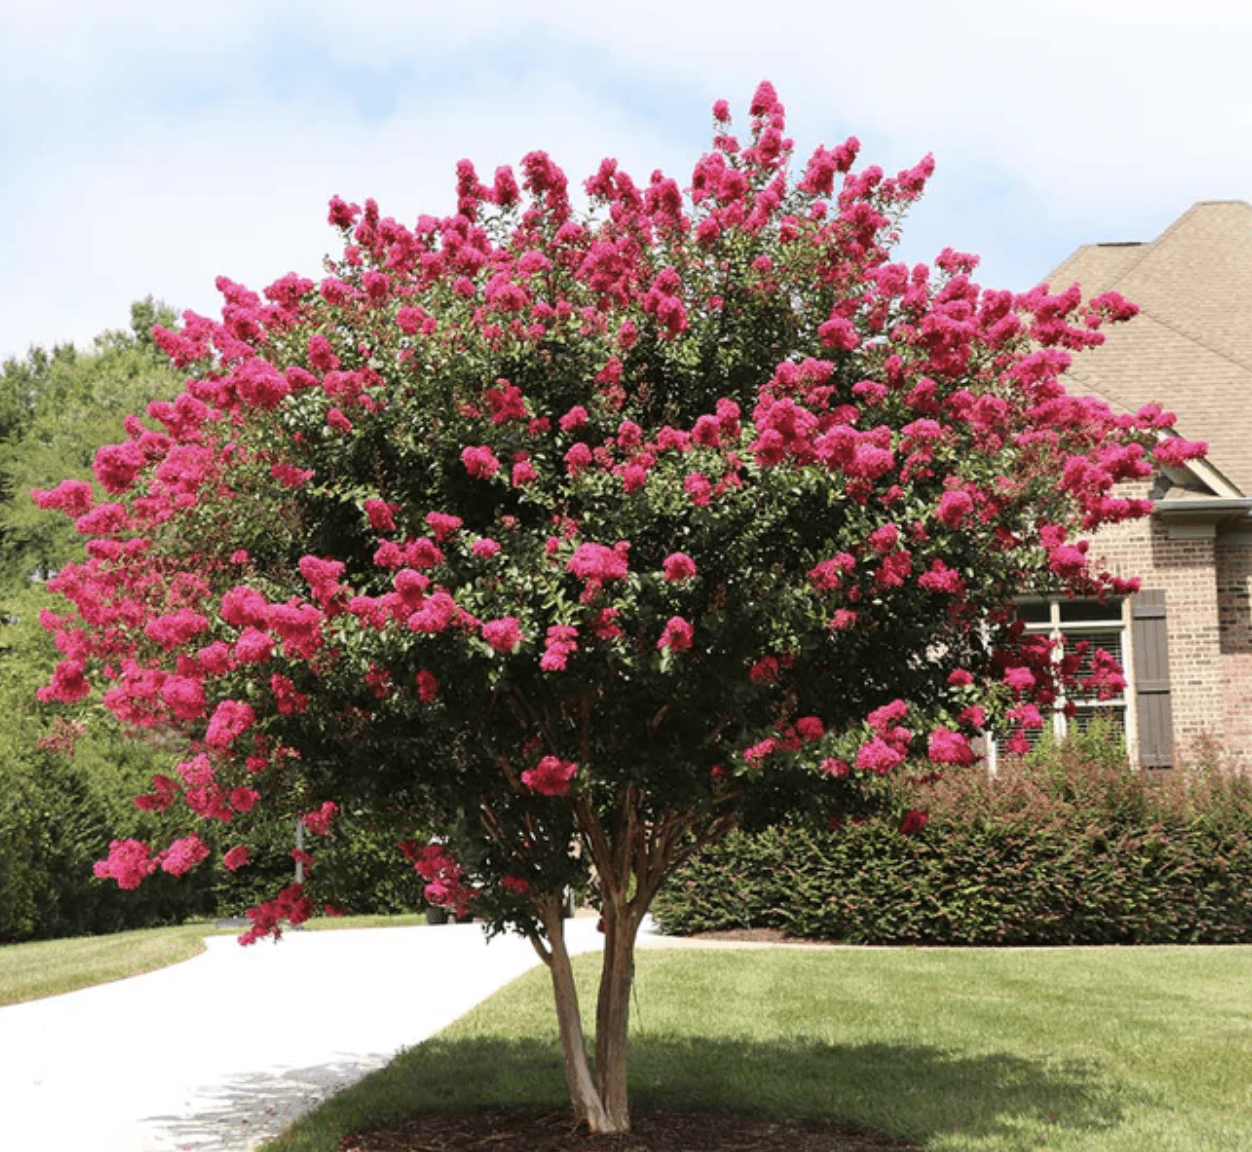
x,y
1069,847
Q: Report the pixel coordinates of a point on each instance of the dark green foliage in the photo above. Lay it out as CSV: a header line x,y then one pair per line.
x,y
1068,847
359,866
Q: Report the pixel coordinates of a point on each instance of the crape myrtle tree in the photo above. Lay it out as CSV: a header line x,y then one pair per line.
x,y
580,537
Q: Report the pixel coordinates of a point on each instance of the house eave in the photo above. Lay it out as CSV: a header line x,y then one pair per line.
x,y
1200,519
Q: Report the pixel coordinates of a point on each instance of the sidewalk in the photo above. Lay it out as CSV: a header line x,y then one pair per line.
x,y
223,1050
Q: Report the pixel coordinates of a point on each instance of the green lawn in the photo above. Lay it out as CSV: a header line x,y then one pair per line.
x,y
50,967
977,1050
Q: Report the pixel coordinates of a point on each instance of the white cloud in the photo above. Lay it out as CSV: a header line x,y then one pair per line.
x,y
150,147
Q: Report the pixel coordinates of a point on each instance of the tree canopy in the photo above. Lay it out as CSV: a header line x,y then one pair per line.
x,y
584,536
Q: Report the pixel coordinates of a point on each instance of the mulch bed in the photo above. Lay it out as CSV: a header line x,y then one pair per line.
x,y
554,1130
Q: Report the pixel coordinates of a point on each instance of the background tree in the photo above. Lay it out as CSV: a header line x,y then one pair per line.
x,y
584,538
56,409
63,789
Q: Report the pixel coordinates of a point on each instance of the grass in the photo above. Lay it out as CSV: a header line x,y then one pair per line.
x,y
49,967
972,1050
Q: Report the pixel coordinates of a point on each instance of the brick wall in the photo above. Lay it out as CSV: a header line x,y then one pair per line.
x,y
1234,602
1207,585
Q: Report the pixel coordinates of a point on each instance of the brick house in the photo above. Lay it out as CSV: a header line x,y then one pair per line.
x,y
1186,638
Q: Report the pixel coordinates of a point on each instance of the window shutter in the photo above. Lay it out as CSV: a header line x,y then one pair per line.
x,y
1151,681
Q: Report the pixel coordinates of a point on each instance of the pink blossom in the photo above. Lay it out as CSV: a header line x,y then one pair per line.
x,y
484,548
117,465
678,566
605,626
183,855
883,539
835,767
953,507
230,719
843,619
319,820
381,515
523,473
894,570
427,686
827,576
480,462
678,635
321,355
597,562
435,615
176,629
550,777
972,717
881,719
515,884
960,678
68,683
423,553
810,728
286,698
165,792
941,578
756,754
948,747
698,488
129,863
1027,715
289,475
561,642
576,417
254,646
443,525
185,697
243,606
244,799
914,821
236,858
102,520
764,671
503,635
1173,451
577,458
1067,561
878,756
261,384
1019,679
73,497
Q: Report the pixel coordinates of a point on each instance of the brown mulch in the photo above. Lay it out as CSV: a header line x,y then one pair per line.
x,y
554,1130
756,936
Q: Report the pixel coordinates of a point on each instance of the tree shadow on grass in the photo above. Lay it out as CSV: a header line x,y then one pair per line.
x,y
915,1091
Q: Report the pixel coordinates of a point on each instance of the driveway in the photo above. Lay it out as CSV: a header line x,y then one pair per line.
x,y
223,1050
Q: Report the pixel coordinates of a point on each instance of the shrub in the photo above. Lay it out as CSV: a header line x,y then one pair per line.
x,y
1066,846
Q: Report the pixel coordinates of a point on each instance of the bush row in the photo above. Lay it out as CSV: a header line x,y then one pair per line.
x,y
1069,846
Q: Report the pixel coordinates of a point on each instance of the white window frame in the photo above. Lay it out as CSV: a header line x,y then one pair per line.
x,y
1119,619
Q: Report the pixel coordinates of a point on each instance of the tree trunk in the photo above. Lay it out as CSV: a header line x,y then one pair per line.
x,y
613,1012
582,1090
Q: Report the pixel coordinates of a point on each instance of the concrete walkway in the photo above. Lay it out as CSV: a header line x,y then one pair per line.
x,y
226,1049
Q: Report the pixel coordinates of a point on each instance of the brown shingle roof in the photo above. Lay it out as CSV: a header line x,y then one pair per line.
x,y
1190,348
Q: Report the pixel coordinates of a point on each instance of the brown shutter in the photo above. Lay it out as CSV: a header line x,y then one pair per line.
x,y
1151,649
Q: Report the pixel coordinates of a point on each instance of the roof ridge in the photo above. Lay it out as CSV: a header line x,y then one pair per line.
x,y
1221,355
1148,246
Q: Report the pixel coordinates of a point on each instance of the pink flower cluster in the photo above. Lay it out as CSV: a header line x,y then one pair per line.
x,y
550,777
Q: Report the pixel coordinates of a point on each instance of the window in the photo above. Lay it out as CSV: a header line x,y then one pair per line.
x,y
1103,625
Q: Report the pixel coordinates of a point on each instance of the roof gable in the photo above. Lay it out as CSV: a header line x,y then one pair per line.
x,y
1190,348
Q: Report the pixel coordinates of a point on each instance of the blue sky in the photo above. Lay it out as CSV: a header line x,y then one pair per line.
x,y
147,148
